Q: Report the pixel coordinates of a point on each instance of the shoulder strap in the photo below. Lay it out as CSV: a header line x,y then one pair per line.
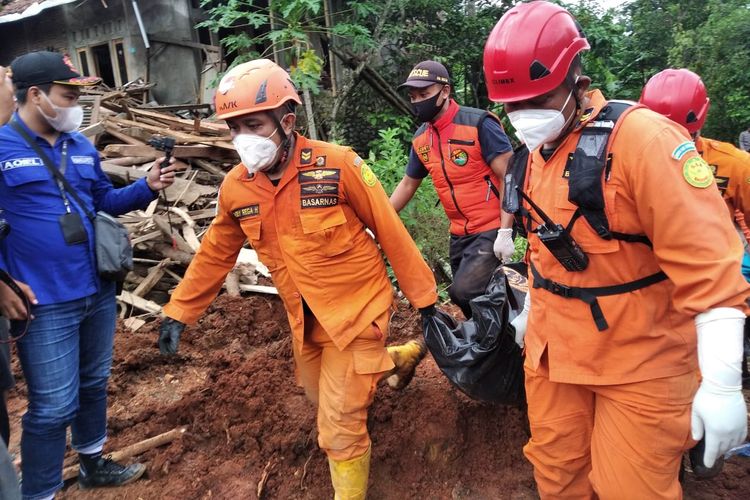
x,y
515,179
589,167
48,163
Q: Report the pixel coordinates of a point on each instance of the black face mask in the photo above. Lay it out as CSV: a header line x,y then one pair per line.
x,y
427,110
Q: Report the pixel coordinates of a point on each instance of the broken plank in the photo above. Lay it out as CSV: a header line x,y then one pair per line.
x,y
205,127
271,290
173,233
210,167
154,275
127,139
92,130
143,150
138,302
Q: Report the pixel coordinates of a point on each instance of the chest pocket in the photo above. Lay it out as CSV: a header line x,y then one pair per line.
x,y
326,230
25,175
251,227
582,232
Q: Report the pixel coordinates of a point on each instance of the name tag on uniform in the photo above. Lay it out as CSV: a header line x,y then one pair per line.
x,y
21,162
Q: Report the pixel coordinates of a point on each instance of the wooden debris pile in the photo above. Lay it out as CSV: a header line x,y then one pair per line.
x,y
167,234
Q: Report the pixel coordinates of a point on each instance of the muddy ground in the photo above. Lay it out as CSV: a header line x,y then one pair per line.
x,y
232,386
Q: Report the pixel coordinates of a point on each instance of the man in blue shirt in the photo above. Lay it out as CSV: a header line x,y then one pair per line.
x,y
465,151
67,353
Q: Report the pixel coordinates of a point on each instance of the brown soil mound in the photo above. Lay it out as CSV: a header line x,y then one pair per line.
x,y
232,386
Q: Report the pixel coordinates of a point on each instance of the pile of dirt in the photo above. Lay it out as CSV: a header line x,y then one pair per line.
x,y
232,386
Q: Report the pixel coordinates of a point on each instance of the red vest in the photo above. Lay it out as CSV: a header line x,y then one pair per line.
x,y
467,187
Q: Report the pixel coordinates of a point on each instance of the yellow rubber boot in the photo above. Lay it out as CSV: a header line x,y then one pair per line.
x,y
349,477
406,357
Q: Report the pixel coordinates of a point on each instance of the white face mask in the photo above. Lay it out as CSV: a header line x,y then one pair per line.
x,y
257,153
539,126
65,119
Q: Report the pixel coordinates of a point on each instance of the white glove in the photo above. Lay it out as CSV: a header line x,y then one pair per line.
x,y
503,246
519,322
719,411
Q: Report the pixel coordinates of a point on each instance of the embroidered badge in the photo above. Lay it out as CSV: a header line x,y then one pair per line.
x,y
83,160
22,162
459,157
424,153
248,211
683,149
320,161
313,189
357,161
319,201
368,176
697,173
317,175
305,156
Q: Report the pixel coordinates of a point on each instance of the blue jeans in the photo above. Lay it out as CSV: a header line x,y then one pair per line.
x,y
66,358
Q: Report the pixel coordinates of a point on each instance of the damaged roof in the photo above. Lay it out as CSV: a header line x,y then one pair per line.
x,y
20,9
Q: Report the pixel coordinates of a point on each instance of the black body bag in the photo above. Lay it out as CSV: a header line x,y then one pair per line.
x,y
480,356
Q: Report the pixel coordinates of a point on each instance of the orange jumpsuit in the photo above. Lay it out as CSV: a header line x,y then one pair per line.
x,y
610,410
309,231
731,167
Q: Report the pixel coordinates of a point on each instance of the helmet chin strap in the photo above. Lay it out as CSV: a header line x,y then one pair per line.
x,y
285,141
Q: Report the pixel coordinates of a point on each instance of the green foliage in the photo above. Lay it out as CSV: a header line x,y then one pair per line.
x,y
719,51
423,216
293,25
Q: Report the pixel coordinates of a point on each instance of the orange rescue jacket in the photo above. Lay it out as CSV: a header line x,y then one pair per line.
x,y
650,190
467,187
731,167
310,233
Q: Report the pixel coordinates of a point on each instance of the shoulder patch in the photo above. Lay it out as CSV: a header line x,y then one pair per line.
x,y
357,161
697,173
368,176
683,149
248,211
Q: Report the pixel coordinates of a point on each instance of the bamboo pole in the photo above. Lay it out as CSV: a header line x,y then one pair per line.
x,y
134,449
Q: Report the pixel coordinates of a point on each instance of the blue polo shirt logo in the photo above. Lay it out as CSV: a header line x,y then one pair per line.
x,y
83,160
22,162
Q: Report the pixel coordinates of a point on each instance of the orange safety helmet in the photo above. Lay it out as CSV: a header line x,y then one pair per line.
x,y
258,85
678,94
530,50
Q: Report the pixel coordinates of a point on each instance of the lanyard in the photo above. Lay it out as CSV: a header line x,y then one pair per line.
x,y
63,167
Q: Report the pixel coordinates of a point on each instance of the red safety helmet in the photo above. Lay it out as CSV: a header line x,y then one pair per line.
x,y
530,50
258,85
678,94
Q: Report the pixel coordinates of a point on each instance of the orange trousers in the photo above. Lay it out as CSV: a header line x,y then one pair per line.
x,y
609,442
342,383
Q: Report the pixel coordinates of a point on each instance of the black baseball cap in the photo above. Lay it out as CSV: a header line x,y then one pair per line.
x,y
38,68
425,74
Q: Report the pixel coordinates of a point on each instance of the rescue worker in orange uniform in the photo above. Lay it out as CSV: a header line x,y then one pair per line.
x,y
680,95
465,151
618,325
304,206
